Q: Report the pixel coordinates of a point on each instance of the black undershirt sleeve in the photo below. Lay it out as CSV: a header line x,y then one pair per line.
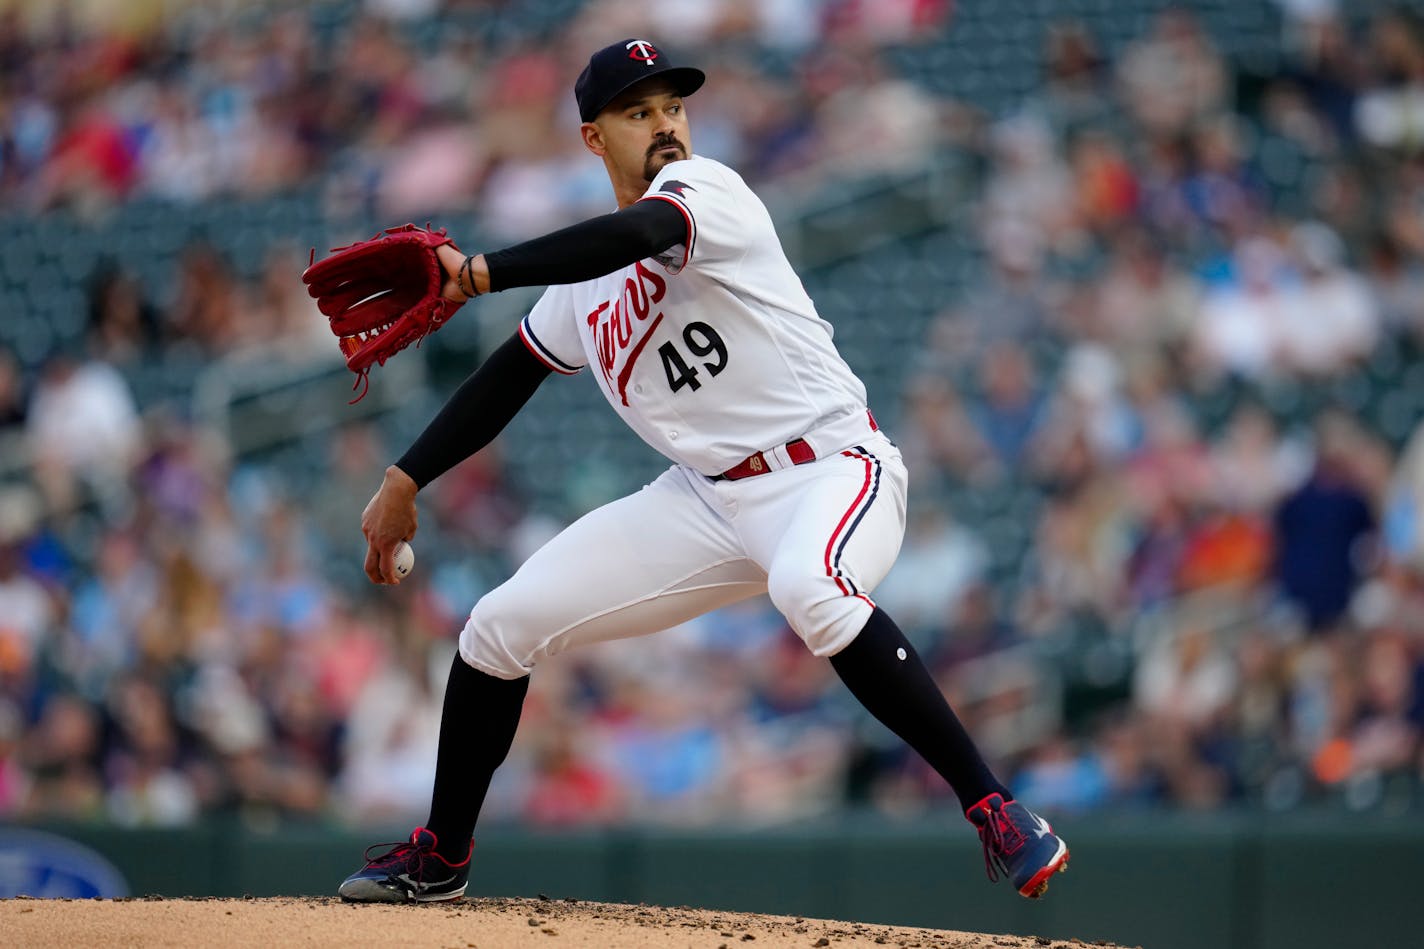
x,y
590,248
477,412
487,401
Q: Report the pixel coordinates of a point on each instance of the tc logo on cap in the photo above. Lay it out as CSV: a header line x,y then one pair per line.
x,y
642,51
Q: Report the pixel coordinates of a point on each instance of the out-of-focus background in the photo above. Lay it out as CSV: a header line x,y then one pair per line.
x,y
1137,287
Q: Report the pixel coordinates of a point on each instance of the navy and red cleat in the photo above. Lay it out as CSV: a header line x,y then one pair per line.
x,y
409,872
1019,844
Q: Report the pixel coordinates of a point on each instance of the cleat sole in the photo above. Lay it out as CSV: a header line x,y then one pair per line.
x,y
440,897
1038,883
374,891
370,891
1042,888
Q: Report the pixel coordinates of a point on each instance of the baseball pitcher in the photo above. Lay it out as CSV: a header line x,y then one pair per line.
x,y
701,337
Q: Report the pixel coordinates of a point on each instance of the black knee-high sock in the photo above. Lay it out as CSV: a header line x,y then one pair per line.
x,y
477,725
885,673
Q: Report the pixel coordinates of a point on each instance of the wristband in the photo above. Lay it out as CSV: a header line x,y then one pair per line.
x,y
465,268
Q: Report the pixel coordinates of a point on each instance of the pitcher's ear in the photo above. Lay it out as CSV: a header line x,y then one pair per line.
x,y
593,138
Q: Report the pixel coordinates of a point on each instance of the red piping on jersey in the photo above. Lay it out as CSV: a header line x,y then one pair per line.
x,y
627,370
687,215
841,526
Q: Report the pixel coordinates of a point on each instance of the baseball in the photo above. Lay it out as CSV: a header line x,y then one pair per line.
x,y
405,559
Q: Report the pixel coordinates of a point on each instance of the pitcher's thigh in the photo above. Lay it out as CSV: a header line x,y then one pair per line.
x,y
635,566
839,544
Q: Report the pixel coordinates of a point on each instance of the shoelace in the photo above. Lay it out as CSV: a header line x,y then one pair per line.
x,y
994,841
991,837
400,852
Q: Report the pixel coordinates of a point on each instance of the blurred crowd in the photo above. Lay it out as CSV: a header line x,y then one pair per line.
x,y
1165,544
1190,346
189,101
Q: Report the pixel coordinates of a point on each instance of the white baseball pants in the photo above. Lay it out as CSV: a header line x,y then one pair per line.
x,y
817,537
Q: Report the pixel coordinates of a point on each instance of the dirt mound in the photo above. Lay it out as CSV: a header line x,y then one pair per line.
x,y
481,923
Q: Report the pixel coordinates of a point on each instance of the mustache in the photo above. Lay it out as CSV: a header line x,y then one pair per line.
x,y
665,143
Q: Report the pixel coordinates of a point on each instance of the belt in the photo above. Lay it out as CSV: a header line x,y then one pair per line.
x,y
754,464
798,451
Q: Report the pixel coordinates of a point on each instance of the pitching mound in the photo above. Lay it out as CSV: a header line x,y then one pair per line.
x,y
487,923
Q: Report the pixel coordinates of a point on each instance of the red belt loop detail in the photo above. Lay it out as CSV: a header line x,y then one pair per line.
x,y
797,450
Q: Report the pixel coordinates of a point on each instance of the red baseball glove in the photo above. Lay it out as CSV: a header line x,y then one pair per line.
x,y
382,294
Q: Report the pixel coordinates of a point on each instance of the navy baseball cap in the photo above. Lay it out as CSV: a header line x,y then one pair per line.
x,y
615,68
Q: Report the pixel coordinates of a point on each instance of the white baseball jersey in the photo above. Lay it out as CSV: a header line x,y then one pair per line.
x,y
713,350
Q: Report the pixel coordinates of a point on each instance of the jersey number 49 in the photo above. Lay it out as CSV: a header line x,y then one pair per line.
x,y
702,341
